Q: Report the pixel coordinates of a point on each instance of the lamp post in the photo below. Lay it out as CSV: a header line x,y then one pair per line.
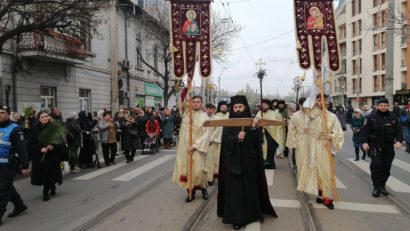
x,y
297,81
260,74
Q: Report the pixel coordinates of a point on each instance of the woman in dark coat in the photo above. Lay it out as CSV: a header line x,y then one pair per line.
x,y
88,148
341,115
129,136
167,127
46,170
357,127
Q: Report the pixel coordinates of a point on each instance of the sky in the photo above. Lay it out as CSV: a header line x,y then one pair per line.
x,y
269,23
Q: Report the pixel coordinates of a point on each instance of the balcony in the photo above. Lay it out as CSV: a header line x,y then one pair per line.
x,y
51,47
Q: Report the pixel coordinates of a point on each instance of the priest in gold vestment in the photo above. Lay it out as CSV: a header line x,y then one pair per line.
x,y
272,135
214,150
298,136
315,173
199,148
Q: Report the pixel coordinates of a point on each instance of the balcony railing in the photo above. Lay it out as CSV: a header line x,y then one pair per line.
x,y
61,46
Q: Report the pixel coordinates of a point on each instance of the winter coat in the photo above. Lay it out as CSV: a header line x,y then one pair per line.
x,y
73,133
46,171
129,135
167,126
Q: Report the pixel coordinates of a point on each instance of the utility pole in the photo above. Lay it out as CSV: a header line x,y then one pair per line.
x,y
114,57
390,52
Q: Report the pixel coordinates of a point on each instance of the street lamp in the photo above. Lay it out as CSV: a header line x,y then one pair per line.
x,y
297,81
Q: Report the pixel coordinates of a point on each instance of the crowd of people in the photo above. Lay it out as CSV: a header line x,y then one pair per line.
x,y
236,156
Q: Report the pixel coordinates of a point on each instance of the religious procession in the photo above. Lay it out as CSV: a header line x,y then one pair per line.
x,y
149,115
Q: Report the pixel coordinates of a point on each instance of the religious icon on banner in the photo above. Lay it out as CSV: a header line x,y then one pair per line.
x,y
315,20
190,37
191,25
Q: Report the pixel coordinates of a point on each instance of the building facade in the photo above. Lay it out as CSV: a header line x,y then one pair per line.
x,y
362,34
48,70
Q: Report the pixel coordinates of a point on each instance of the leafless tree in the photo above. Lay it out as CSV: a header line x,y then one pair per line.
x,y
74,18
157,20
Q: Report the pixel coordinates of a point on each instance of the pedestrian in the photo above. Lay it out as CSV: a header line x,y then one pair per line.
x,y
357,126
349,114
246,195
198,149
12,143
88,146
141,122
405,123
46,168
108,138
129,136
56,115
73,141
167,127
341,116
382,133
396,109
315,176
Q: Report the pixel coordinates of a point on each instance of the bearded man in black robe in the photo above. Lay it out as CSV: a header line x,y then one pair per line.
x,y
243,193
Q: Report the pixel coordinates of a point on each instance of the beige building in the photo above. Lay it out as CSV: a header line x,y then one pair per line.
x,y
362,33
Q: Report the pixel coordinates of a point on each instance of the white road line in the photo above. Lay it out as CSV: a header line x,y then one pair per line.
x,y
401,164
392,182
339,184
269,176
106,170
373,208
285,203
255,226
138,171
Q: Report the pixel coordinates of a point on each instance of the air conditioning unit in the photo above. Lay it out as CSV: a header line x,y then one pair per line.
x,y
126,64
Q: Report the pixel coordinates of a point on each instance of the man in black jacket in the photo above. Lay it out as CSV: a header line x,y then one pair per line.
x,y
11,143
382,132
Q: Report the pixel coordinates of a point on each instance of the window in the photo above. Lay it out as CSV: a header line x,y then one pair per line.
x,y
375,83
139,46
48,96
383,85
383,38
156,57
85,100
383,61
375,63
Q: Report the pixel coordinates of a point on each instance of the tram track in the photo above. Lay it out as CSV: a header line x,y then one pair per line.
x,y
146,188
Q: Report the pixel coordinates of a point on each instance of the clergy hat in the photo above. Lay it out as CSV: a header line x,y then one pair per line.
x,y
240,99
379,101
281,102
221,104
5,108
268,102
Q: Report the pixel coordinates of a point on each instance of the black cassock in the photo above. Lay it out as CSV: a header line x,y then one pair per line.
x,y
243,194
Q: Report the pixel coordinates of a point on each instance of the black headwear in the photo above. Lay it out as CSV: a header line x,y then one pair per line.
x,y
281,102
5,108
379,101
239,99
221,104
268,102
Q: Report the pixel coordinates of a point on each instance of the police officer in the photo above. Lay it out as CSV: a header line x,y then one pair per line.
x,y
381,134
13,151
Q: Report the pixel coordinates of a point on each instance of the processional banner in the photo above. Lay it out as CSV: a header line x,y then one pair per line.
x,y
191,37
315,21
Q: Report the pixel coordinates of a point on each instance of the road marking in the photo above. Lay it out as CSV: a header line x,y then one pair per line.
x,y
392,182
269,176
373,208
339,184
143,169
106,169
255,226
401,164
285,203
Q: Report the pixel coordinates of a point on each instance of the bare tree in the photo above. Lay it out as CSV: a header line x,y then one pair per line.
x,y
157,20
74,18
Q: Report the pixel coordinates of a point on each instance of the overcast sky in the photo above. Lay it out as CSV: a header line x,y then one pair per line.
x,y
261,20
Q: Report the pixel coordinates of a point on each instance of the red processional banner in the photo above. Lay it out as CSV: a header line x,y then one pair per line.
x,y
315,21
191,37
